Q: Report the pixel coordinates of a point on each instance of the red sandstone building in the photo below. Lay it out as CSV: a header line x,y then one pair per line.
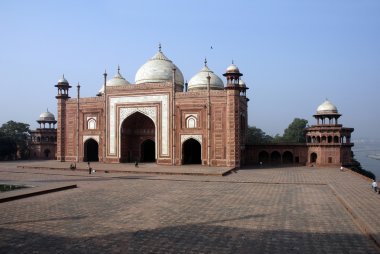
x,y
162,119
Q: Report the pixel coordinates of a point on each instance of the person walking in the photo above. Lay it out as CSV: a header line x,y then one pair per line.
x,y
374,185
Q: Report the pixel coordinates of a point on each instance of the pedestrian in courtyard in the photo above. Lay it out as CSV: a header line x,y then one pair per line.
x,y
136,164
89,168
374,185
341,168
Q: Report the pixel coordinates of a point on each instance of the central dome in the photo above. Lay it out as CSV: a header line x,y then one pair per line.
x,y
200,82
157,70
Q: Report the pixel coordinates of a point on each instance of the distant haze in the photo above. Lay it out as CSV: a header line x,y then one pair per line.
x,y
293,54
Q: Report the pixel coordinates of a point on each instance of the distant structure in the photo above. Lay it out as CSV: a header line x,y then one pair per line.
x,y
43,142
327,144
160,118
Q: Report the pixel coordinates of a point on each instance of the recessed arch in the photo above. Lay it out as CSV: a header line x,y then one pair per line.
x,y
191,152
135,130
264,157
148,151
275,157
287,157
313,157
91,150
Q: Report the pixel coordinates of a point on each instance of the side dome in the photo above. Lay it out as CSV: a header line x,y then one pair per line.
x,y
157,70
63,80
117,80
46,116
327,108
199,81
232,69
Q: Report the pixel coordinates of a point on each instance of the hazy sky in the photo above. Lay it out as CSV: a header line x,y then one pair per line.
x,y
293,53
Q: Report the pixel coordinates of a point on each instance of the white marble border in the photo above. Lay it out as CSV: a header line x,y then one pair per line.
x,y
186,137
86,137
164,130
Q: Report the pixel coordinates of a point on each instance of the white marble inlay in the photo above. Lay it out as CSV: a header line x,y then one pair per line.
x,y
114,127
196,137
85,138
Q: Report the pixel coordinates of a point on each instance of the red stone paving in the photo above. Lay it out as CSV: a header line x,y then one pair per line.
x,y
272,210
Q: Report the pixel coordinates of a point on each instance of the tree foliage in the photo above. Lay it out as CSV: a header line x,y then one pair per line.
x,y
257,136
14,140
295,132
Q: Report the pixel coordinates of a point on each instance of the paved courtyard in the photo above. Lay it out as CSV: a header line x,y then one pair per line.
x,y
273,210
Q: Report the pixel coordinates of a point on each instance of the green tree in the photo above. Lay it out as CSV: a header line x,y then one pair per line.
x,y
295,131
15,133
257,136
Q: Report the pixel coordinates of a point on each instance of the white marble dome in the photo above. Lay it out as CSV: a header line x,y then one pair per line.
x,y
47,116
117,80
199,81
63,80
158,69
232,69
242,83
327,108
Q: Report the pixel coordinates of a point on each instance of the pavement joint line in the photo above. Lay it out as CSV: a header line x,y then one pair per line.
x,y
366,229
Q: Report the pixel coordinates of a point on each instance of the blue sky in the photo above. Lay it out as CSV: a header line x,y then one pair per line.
x,y
294,54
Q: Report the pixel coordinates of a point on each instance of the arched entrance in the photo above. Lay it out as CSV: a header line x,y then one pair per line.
x,y
191,152
91,150
47,152
136,130
148,151
313,158
287,157
275,157
264,157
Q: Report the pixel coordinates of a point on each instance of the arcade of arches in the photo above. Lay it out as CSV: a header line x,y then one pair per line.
x,y
275,158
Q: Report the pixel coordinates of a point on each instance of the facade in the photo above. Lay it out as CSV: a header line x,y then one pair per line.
x,y
158,119
43,141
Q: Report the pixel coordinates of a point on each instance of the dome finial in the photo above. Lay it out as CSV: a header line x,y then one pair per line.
x,y
47,109
232,61
205,61
159,47
118,69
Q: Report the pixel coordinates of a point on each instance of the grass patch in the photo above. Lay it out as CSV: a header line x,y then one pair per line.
x,y
10,187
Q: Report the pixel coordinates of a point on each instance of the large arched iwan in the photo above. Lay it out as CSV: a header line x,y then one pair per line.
x,y
137,129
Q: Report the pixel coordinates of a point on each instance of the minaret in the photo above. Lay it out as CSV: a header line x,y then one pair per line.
x,y
233,116
62,96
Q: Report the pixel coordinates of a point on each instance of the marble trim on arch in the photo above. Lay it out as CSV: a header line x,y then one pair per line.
x,y
196,137
87,137
114,127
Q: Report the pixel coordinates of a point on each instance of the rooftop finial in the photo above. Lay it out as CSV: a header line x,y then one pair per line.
x,y
63,76
205,62
159,47
232,61
47,109
118,69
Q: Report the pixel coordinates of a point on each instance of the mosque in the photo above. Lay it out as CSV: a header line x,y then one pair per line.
x,y
160,118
